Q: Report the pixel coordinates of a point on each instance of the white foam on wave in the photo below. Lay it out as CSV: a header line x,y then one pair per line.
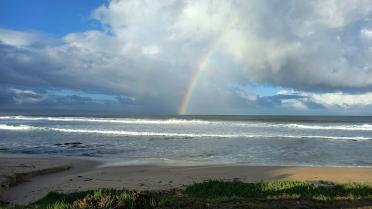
x,y
16,128
341,127
176,135
364,127
174,121
110,120
355,138
139,133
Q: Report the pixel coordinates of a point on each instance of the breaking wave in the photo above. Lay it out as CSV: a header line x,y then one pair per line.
x,y
16,128
168,134
109,120
344,127
363,127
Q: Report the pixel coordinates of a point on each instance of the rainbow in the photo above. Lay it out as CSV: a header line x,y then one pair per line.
x,y
198,71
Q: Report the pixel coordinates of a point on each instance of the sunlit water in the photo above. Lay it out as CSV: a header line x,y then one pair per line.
x,y
253,140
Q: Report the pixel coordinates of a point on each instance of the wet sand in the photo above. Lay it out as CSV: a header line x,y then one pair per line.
x,y
38,176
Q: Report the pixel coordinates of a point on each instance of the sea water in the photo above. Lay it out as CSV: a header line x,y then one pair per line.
x,y
181,140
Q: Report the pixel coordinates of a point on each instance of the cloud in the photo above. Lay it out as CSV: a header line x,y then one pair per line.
x,y
366,33
305,102
342,99
293,103
269,40
17,38
23,97
26,96
320,48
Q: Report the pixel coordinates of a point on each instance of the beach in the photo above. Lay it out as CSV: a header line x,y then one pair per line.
x,y
39,175
41,154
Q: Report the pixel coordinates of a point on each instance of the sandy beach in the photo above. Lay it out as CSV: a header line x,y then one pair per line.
x,y
25,180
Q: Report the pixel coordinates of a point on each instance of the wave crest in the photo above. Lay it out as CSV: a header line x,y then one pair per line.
x,y
169,134
110,120
364,127
176,121
16,128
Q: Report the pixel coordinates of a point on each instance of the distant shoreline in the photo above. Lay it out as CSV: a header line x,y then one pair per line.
x,y
80,175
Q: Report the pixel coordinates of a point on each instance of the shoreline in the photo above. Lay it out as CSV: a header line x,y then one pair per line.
x,y
40,175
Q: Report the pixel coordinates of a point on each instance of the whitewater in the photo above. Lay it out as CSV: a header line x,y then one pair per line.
x,y
253,140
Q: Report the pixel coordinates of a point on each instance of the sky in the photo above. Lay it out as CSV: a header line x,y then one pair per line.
x,y
146,57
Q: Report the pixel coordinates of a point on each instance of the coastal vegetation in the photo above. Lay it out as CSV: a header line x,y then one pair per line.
x,y
218,194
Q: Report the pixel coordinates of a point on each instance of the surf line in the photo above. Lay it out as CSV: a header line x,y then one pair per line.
x,y
200,67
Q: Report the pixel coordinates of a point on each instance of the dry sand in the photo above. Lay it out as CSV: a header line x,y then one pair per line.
x,y
41,175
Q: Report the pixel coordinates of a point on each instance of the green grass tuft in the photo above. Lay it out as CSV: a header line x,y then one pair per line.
x,y
217,194
280,190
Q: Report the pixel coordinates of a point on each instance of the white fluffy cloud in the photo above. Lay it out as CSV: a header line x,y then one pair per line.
x,y
148,50
17,38
294,103
342,99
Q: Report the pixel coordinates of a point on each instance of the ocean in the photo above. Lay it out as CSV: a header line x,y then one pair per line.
x,y
194,140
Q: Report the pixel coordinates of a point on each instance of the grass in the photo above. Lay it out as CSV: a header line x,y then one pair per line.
x,y
280,190
218,194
